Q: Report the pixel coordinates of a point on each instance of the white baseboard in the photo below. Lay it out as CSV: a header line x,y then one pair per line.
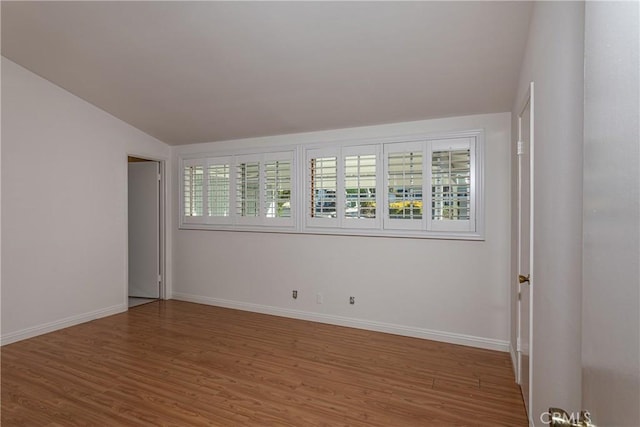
x,y
60,324
514,361
409,331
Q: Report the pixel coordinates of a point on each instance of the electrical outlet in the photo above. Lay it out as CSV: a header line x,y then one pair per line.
x,y
295,294
352,300
318,298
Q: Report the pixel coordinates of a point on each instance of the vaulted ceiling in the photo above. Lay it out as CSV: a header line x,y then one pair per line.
x,y
188,72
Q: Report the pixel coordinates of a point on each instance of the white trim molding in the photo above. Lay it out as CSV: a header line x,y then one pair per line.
x,y
390,328
514,362
61,324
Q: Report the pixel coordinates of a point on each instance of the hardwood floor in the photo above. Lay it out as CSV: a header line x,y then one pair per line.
x,y
182,364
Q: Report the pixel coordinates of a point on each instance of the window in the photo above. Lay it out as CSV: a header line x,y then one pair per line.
x,y
239,191
248,188
406,187
323,187
452,177
342,187
405,169
218,190
359,185
450,180
442,203
205,191
278,188
193,190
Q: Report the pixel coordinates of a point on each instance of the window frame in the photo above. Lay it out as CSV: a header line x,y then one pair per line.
x,y
300,220
235,221
205,218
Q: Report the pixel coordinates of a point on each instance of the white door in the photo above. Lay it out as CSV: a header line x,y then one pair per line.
x,y
144,229
525,248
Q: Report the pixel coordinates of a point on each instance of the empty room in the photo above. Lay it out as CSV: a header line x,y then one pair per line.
x,y
320,213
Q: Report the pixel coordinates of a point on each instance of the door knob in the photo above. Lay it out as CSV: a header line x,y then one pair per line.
x,y
523,279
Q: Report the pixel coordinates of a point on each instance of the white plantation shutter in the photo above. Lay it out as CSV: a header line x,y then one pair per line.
x,y
205,191
404,195
452,170
193,194
219,190
359,187
239,191
248,189
415,186
278,188
322,187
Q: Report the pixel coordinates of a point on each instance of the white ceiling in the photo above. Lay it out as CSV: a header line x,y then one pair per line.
x,y
189,72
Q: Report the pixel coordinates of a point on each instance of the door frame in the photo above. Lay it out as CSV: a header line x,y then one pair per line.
x,y
162,167
528,101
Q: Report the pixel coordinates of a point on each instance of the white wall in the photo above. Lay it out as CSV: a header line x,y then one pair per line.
x,y
611,292
64,210
449,290
554,61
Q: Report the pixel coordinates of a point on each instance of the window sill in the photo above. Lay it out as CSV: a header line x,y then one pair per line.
x,y
410,234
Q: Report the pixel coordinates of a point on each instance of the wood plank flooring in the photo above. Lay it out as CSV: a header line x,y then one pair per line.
x,y
181,364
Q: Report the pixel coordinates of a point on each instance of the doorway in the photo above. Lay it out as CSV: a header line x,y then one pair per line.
x,y
525,247
145,230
